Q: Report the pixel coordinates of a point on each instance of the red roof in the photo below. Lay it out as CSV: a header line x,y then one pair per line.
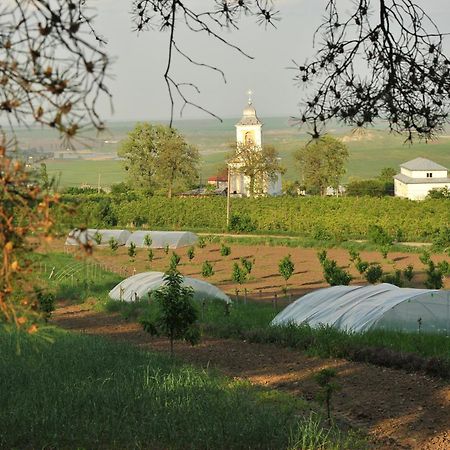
x,y
218,178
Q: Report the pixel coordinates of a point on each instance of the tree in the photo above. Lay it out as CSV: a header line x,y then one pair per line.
x,y
321,163
177,316
286,268
260,164
158,158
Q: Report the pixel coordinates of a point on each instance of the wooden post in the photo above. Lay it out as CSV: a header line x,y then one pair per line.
x,y
245,295
228,198
276,300
237,295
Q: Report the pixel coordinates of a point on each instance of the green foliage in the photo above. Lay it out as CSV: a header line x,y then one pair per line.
x,y
369,188
322,256
97,238
132,250
322,163
435,278
361,266
341,218
373,273
238,274
150,254
441,239
393,278
201,243
191,253
354,255
174,261
113,244
46,303
325,379
166,249
225,250
384,250
241,223
379,236
158,158
286,269
148,240
207,269
177,316
247,265
257,163
333,274
408,272
443,193
444,267
425,257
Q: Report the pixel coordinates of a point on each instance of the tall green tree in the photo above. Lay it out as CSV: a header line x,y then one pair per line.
x,y
322,163
158,158
260,164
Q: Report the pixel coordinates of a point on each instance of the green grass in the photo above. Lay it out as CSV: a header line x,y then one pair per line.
x,y
86,392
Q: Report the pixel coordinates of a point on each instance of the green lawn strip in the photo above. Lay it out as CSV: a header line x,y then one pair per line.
x,y
78,391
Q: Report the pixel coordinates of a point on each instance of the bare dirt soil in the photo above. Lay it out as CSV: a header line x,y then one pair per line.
x,y
399,410
265,281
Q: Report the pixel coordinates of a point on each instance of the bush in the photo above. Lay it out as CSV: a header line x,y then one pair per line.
x,y
207,269
247,265
150,254
408,272
286,268
334,275
174,261
361,266
132,250
201,243
395,278
113,244
435,278
46,304
241,223
225,250
148,240
191,253
239,274
373,273
441,239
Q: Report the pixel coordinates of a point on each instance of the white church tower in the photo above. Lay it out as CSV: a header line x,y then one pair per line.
x,y
249,132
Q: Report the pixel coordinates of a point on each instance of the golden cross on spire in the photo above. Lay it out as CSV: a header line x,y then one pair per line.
x,y
250,93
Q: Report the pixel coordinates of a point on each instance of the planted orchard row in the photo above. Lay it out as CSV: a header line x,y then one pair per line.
x,y
323,219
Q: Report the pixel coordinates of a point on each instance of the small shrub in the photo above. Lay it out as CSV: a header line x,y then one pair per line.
x,y
247,265
201,243
132,250
373,273
286,268
166,249
354,255
408,272
384,250
113,244
435,278
174,261
325,379
97,238
425,257
238,274
322,255
148,240
207,269
334,275
241,223
395,278
444,267
379,236
361,266
191,253
225,250
150,254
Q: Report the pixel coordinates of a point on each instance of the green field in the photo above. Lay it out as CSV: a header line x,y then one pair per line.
x,y
369,152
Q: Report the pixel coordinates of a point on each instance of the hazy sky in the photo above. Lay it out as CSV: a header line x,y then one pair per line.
x,y
138,87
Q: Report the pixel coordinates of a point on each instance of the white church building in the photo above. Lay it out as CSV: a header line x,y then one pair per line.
x,y
418,177
249,132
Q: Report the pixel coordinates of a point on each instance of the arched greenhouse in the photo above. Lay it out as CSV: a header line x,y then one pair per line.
x,y
138,286
77,237
363,308
160,239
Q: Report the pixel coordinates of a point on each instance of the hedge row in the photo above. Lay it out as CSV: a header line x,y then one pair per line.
x,y
319,218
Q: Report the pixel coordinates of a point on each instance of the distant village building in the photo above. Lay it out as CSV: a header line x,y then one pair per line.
x,y
249,131
418,177
219,181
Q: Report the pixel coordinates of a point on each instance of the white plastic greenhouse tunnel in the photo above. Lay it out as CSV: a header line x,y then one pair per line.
x,y
138,286
160,239
77,237
363,308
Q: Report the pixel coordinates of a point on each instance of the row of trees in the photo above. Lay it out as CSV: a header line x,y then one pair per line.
x,y
159,160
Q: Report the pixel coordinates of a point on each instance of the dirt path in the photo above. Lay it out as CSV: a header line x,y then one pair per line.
x,y
400,410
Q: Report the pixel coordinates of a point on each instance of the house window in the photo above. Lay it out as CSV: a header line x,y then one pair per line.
x,y
429,174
